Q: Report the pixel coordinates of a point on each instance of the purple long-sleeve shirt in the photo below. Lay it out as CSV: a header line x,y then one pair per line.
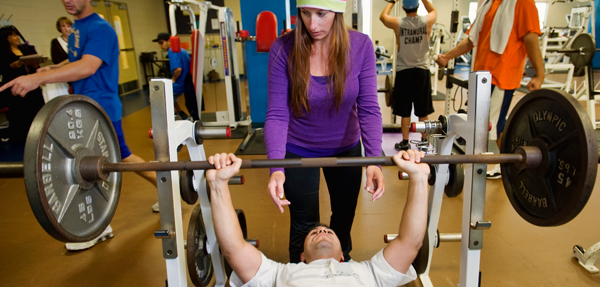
x,y
324,128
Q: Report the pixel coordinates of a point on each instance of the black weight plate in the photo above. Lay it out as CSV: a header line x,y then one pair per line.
x,y
456,180
581,59
198,260
186,187
557,191
69,208
420,262
242,220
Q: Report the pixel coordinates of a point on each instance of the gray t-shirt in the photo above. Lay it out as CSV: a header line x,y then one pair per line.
x,y
414,43
327,272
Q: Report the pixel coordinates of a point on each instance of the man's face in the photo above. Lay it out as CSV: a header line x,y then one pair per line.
x,y
75,7
164,45
321,243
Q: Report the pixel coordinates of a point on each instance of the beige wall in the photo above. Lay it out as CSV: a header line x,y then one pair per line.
x,y
36,20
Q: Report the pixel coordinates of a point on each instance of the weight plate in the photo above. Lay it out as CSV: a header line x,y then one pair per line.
x,y
389,88
456,180
186,187
557,191
583,58
198,260
242,220
65,130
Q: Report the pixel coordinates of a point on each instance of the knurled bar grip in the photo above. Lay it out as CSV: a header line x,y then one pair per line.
x,y
307,162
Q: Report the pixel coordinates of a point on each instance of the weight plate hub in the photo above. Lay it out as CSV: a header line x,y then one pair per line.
x,y
69,208
556,123
198,260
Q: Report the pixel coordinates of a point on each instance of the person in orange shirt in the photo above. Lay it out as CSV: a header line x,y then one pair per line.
x,y
504,33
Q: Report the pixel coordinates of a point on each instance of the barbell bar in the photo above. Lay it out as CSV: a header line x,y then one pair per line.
x,y
98,168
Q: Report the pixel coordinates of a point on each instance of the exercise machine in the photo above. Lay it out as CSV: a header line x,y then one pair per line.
x,y
233,116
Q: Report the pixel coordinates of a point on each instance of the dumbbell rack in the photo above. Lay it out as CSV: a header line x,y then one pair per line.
x,y
474,128
168,134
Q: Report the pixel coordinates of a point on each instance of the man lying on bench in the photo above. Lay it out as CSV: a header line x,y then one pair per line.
x,y
322,254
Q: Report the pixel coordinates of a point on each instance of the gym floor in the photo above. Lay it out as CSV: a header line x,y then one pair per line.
x,y
515,253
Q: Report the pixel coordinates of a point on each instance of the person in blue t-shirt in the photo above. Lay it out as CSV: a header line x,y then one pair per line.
x,y
181,77
93,69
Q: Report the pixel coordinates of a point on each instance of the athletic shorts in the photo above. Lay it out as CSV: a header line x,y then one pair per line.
x,y
412,86
125,153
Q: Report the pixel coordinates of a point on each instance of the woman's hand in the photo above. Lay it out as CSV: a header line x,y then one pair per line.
x,y
375,182
275,189
17,64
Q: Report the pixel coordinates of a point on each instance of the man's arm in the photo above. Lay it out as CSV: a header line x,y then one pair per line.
x,y
535,57
401,251
431,14
244,258
463,46
389,21
53,67
81,69
176,74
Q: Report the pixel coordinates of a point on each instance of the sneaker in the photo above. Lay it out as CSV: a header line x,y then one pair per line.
x,y
494,173
403,145
155,208
76,246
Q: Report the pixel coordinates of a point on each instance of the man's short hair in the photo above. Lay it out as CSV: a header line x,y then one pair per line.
x,y
408,11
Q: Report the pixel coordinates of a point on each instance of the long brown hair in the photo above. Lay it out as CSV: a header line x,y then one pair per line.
x,y
299,68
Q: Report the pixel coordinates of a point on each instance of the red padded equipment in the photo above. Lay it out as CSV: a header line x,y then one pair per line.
x,y
242,34
266,31
175,44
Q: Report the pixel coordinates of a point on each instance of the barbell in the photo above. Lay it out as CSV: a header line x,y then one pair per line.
x,y
73,174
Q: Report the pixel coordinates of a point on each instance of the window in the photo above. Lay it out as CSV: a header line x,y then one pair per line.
x,y
542,8
472,11
422,11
